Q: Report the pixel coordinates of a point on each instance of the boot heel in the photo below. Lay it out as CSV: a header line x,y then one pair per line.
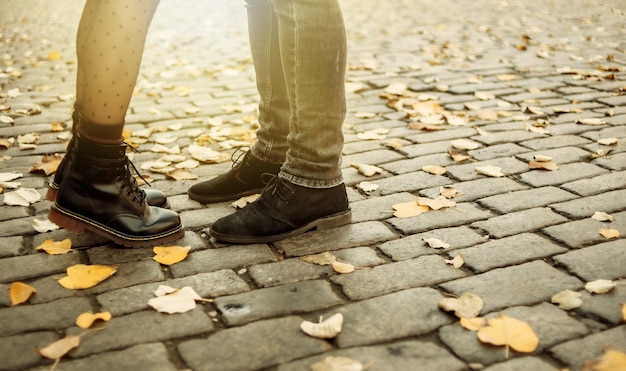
x,y
335,220
65,222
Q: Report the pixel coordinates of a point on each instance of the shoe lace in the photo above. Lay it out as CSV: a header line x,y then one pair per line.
x,y
277,186
238,156
128,180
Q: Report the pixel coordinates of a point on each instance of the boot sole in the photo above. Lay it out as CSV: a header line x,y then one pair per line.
x,y
53,189
76,223
331,221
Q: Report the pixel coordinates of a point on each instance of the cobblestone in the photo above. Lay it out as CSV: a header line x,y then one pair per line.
x,y
519,222
525,199
576,352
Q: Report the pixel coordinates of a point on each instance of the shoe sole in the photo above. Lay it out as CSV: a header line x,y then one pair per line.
x,y
331,221
209,200
76,223
53,189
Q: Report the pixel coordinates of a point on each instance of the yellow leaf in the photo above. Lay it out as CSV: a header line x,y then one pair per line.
x,y
509,332
85,320
169,255
60,348
436,204
56,248
543,165
54,56
82,276
434,169
20,292
467,305
612,360
340,267
408,209
609,233
472,324
181,174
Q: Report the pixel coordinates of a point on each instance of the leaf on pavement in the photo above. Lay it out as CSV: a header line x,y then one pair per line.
x,y
448,191
457,262
436,204
543,165
60,347
374,134
82,276
600,286
608,141
490,170
409,209
591,121
601,216
326,329
170,300
464,144
20,293
43,226
56,248
181,174
367,170
473,324
244,201
567,299
337,364
611,360
48,164
87,319
434,169
325,258
368,186
467,305
342,268
509,332
22,197
169,255
609,233
436,243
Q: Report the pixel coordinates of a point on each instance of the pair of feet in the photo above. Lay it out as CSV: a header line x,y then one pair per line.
x,y
283,210
93,190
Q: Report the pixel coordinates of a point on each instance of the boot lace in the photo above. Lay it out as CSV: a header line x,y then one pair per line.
x,y
128,180
238,156
277,186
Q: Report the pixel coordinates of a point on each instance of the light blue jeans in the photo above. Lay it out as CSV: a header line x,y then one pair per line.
x,y
299,53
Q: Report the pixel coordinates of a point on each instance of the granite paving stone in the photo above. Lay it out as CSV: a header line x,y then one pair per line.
x,y
378,208
515,285
519,222
417,163
472,190
605,306
522,363
301,297
212,260
30,266
410,182
462,213
607,257
599,184
58,314
506,251
508,166
565,173
576,352
497,151
543,144
254,346
21,349
584,232
562,155
525,199
583,207
615,162
422,271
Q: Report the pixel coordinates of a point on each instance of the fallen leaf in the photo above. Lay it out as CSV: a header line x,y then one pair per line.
x,y
457,262
43,226
367,170
487,115
454,120
60,347
325,258
601,216
368,186
394,143
326,329
7,177
490,170
56,248
481,131
473,324
177,301
509,332
364,115
87,319
408,209
484,95
591,121
57,126
22,197
543,165
20,293
600,286
448,191
7,120
436,204
611,360
54,56
464,144
244,201
467,305
609,233
48,164
374,134
342,268
82,276
567,299
436,243
458,156
181,174
396,88
608,141
434,169
207,155
6,143
169,255
337,364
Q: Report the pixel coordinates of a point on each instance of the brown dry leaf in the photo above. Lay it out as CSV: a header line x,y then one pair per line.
x,y
509,332
611,360
326,329
82,276
337,364
536,129
181,174
169,255
56,248
473,324
325,258
394,143
467,305
601,216
367,170
87,319
458,156
567,299
600,286
448,191
48,164
454,120
487,115
57,126
20,293
457,262
424,127
543,165
490,170
609,233
436,204
434,169
342,268
60,347
7,143
600,153
464,144
408,209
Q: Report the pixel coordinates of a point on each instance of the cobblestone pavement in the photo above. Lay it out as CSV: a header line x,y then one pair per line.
x,y
516,79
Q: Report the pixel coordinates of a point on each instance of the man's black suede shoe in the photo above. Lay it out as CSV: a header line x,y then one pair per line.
x,y
284,210
244,179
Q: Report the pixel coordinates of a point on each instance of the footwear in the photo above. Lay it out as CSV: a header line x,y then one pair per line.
x,y
243,179
99,194
284,210
153,197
